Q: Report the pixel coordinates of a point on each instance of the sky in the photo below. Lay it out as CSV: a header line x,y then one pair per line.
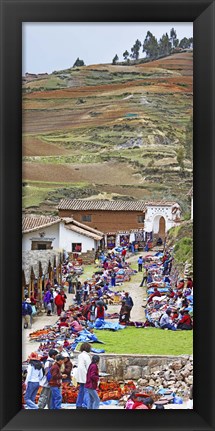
x,y
48,47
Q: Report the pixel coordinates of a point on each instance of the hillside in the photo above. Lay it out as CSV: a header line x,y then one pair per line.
x,y
108,131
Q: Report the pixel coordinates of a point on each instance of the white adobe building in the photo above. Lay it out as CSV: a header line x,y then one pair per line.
x,y
55,233
161,216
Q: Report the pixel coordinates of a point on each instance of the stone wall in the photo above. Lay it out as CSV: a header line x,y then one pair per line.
x,y
172,372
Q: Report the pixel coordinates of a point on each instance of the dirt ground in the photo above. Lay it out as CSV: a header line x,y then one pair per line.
x,y
32,146
93,173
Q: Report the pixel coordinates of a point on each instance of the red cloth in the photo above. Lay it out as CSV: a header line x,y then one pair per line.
x,y
186,319
56,375
59,300
92,377
156,293
138,404
61,324
190,284
100,312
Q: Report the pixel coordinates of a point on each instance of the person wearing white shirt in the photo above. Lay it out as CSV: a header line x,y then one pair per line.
x,y
84,362
34,375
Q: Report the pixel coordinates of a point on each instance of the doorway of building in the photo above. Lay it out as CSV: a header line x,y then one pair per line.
x,y
162,227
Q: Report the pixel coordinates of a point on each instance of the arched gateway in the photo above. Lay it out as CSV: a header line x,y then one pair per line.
x,y
160,217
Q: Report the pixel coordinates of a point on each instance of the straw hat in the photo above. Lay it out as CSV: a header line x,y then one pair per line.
x,y
33,356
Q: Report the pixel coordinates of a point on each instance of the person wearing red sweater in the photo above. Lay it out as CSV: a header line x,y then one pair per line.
x,y
92,384
59,302
100,312
55,383
185,322
156,293
189,283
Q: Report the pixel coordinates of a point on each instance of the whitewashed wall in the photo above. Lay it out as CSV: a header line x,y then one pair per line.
x,y
67,237
153,215
50,232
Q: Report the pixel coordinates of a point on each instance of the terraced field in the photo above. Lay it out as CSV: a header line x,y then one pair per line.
x,y
107,131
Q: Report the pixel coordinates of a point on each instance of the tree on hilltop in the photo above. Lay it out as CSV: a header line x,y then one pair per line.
x,y
173,37
164,45
136,50
115,59
186,43
78,63
125,55
150,45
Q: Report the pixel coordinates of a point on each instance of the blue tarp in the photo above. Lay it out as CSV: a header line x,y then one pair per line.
x,y
97,350
102,324
85,336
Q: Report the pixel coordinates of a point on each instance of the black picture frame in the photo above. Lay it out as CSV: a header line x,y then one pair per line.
x,y
202,14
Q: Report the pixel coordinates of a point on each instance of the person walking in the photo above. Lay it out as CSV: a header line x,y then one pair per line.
x,y
55,383
145,275
59,301
113,279
86,290
34,375
92,384
66,376
27,313
129,302
81,376
45,395
140,263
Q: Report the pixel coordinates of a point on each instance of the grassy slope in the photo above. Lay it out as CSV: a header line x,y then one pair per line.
x,y
182,239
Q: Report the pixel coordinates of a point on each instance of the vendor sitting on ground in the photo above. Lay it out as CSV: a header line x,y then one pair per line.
x,y
156,293
185,323
75,325
166,321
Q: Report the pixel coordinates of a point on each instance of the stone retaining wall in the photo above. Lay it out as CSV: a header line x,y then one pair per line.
x,y
172,372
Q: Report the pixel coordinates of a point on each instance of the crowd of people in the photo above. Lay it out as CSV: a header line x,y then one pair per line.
x,y
169,303
168,306
57,369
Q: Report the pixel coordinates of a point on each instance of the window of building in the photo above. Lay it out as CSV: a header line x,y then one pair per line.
x,y
38,245
140,219
76,247
86,217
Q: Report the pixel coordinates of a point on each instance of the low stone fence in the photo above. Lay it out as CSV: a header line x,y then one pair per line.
x,y
173,372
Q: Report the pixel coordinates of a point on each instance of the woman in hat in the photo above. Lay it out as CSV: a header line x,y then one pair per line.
x,y
34,375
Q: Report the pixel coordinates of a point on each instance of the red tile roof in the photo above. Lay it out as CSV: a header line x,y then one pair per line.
x,y
101,205
32,222
84,232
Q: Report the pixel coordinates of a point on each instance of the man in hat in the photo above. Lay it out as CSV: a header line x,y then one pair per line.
x,y
45,396
27,313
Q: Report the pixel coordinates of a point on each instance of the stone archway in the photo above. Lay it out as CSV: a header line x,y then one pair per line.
x,y
159,226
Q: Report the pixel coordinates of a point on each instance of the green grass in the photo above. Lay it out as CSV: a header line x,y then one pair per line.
x,y
34,196
150,341
36,192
